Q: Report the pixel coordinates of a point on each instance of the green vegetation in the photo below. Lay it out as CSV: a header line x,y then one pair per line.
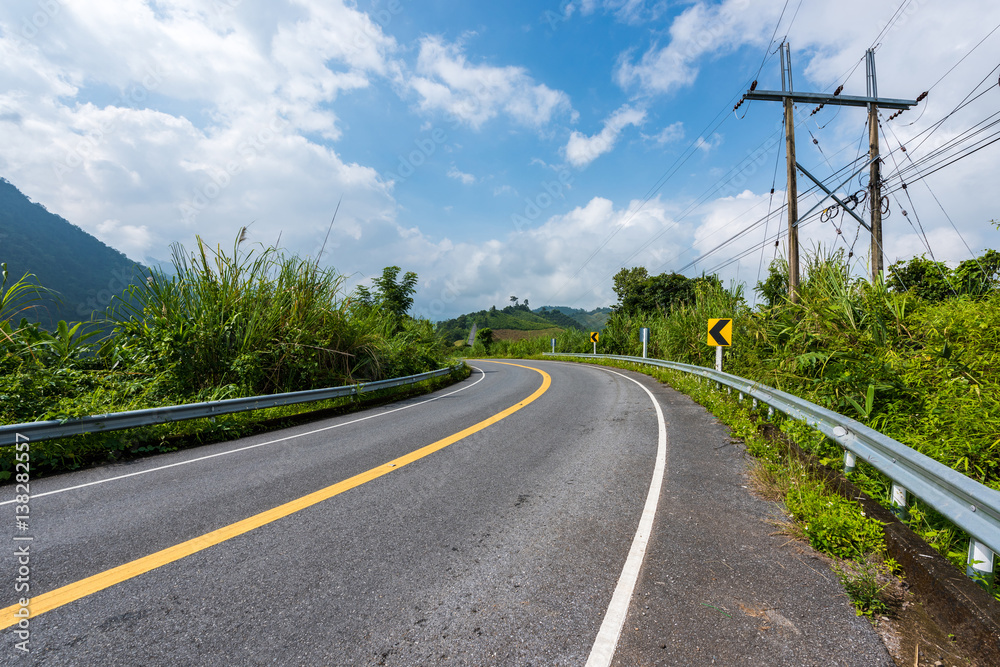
x,y
79,273
250,322
920,369
588,320
517,317
567,340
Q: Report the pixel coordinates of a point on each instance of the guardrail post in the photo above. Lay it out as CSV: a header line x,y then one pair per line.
x,y
980,564
850,462
899,502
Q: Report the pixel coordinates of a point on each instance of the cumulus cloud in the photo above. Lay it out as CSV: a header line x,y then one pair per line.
x,y
581,150
700,30
473,94
207,130
467,179
544,263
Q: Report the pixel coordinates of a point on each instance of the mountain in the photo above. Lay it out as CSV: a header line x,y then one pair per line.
x,y
588,320
518,318
84,272
522,318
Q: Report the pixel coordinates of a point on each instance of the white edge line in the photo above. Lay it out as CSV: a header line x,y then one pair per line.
x,y
260,444
604,647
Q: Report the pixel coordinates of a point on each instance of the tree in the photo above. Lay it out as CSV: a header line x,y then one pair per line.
x,y
639,293
774,289
485,336
627,282
922,277
390,295
513,300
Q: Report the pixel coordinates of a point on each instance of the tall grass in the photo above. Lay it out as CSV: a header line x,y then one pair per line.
x,y
260,321
922,372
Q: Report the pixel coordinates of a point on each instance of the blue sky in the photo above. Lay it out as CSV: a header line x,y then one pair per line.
x,y
522,148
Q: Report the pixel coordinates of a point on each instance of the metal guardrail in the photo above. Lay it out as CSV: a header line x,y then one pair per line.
x,y
973,507
48,430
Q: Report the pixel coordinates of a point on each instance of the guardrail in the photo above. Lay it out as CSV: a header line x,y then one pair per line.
x,y
973,507
49,430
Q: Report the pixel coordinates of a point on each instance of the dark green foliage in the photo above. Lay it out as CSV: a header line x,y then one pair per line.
x,y
485,336
586,320
517,317
920,370
934,281
774,289
80,273
639,293
568,340
392,296
251,322
923,278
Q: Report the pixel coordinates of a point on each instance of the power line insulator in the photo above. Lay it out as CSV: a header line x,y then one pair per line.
x,y
921,96
753,86
839,90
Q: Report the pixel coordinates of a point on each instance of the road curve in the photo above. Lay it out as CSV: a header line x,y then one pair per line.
x,y
503,543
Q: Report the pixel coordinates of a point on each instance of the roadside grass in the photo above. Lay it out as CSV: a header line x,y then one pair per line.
x,y
249,321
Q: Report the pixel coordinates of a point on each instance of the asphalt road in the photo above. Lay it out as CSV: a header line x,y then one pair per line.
x,y
330,544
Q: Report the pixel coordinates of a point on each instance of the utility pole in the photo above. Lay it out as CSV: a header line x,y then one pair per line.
x,y
875,172
793,195
873,102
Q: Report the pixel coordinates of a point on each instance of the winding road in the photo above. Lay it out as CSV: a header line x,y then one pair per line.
x,y
537,513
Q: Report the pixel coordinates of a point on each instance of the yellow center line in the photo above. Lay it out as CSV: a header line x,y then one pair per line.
x,y
98,582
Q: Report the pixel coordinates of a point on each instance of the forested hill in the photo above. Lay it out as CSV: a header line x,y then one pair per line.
x,y
588,320
84,271
517,317
521,318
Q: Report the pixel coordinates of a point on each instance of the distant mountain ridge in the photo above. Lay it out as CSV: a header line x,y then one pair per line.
x,y
589,320
85,272
521,318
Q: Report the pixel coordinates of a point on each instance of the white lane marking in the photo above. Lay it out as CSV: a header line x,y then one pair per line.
x,y
607,637
261,444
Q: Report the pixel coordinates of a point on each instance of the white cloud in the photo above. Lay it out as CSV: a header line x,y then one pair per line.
x,y
670,133
581,150
627,11
543,263
474,94
225,142
698,31
467,179
707,145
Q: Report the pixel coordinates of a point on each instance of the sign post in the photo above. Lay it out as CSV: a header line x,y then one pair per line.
x,y
593,339
644,334
720,334
553,346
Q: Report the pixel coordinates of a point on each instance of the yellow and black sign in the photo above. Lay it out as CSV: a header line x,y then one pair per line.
x,y
593,336
720,332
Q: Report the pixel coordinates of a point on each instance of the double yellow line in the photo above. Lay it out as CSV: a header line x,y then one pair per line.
x,y
98,582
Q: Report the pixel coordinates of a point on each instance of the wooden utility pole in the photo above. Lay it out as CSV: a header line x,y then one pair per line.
x,y
875,172
873,103
793,195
